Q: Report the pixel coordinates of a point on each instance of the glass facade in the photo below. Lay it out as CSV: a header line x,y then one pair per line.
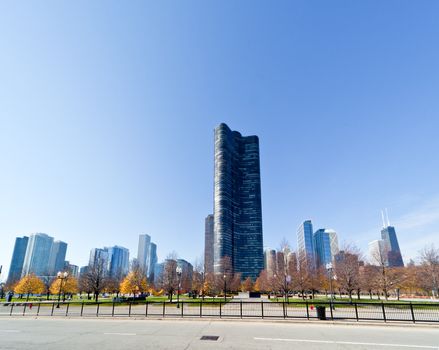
x,y
37,255
322,243
119,261
237,203
57,257
152,260
394,258
17,259
143,252
208,244
305,244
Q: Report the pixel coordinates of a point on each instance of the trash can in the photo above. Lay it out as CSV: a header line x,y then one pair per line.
x,y
9,297
321,312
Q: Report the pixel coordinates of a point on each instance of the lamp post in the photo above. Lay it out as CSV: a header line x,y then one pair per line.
x,y
225,287
62,276
179,271
287,280
329,268
202,286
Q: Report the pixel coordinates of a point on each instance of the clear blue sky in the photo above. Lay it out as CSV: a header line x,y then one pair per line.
x,y
107,113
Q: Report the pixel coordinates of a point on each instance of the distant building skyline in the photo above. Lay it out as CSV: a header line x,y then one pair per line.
x,y
208,243
143,252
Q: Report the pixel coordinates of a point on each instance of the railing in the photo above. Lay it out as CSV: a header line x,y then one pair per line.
x,y
356,311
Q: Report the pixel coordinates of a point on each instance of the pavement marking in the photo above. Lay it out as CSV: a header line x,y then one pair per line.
x,y
9,331
120,333
350,343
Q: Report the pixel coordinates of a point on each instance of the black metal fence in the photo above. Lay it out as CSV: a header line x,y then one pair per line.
x,y
356,311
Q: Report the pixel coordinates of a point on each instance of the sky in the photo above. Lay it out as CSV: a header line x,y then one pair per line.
x,y
107,112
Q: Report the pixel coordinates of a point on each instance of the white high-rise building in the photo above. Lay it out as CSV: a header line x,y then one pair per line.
x,y
37,255
143,252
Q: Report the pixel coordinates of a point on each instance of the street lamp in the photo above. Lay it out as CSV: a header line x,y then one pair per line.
x,y
225,287
179,271
202,286
286,280
329,268
62,276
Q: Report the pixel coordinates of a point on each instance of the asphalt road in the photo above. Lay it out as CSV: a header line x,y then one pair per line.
x,y
89,334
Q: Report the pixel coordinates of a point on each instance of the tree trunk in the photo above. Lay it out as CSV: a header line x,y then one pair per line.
x,y
96,296
27,298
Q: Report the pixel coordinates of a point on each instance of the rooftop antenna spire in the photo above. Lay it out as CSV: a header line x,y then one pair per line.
x,y
382,216
387,215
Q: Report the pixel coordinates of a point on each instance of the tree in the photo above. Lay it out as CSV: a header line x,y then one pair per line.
x,y
429,271
134,283
94,279
347,269
168,280
262,283
68,285
29,284
247,285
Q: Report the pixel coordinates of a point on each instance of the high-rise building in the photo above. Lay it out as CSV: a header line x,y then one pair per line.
x,y
378,252
237,204
143,252
158,272
208,244
270,261
152,260
17,260
186,274
118,261
394,258
305,244
73,270
322,248
57,257
37,255
99,257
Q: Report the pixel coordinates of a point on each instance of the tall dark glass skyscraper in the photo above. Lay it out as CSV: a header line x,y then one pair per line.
x,y
394,258
237,203
208,244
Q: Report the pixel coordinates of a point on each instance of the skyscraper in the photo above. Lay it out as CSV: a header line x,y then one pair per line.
x,y
119,261
270,262
305,244
322,247
17,259
143,252
394,258
208,244
37,255
57,257
237,203
152,260
99,257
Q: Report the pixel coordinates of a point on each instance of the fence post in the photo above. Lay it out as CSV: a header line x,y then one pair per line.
x,y
384,312
240,308
129,309
24,308
164,309
262,308
12,308
146,309
82,307
97,310
283,307
112,310
67,309
53,306
413,313
182,304
201,308
307,310
220,310
356,311
38,310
